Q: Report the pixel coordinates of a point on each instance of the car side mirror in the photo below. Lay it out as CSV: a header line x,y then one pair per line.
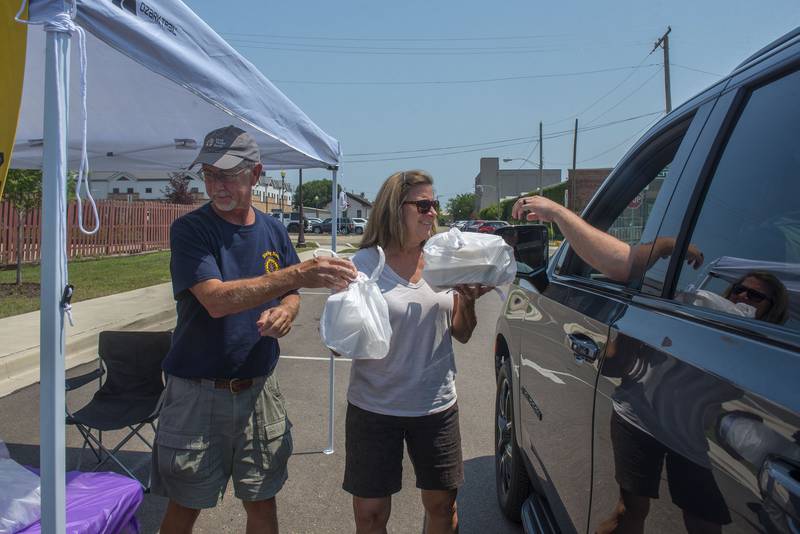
x,y
531,244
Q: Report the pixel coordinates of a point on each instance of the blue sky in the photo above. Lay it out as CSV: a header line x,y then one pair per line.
x,y
407,74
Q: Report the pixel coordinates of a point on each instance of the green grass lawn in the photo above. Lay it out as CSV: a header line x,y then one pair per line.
x,y
91,278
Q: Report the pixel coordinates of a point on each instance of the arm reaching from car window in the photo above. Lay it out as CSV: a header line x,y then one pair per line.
x,y
616,259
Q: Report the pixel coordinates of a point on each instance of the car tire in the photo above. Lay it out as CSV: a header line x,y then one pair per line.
x,y
317,230
345,231
359,230
511,479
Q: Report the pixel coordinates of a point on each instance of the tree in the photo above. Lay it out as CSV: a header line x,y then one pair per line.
x,y
177,189
24,189
316,194
461,206
489,213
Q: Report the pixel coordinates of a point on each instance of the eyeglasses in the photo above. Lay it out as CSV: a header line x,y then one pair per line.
x,y
227,177
424,206
752,294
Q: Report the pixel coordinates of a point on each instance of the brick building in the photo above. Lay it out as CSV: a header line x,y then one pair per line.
x,y
587,181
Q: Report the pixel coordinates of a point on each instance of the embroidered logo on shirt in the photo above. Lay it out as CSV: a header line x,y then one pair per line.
x,y
271,261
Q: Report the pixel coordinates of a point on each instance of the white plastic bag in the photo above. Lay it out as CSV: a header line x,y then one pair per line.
x,y
20,497
453,258
355,322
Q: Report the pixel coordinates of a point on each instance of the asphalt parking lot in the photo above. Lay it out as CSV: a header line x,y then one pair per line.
x,y
312,500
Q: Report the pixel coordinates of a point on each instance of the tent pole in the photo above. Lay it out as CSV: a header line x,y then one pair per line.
x,y
334,211
53,281
331,364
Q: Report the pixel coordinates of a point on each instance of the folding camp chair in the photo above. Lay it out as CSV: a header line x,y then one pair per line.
x,y
129,395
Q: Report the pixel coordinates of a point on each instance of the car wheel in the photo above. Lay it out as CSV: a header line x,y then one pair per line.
x,y
511,479
359,230
345,231
317,230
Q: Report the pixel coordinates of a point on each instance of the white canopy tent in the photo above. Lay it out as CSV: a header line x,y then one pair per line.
x,y
158,79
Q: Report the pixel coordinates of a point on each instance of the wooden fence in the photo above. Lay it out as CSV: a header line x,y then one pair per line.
x,y
125,228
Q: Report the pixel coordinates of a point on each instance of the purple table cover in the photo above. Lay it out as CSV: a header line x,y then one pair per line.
x,y
99,503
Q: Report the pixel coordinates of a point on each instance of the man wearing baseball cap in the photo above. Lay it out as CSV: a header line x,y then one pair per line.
x,y
235,277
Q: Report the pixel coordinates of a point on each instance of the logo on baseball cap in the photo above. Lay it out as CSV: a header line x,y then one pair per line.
x,y
227,147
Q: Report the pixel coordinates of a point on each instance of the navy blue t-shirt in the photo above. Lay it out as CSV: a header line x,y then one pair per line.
x,y
205,246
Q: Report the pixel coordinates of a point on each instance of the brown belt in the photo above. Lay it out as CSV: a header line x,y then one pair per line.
x,y
234,385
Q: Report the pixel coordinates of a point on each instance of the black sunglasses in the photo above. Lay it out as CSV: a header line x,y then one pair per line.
x,y
424,206
752,294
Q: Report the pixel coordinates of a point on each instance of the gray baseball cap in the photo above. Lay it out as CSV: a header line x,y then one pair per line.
x,y
226,147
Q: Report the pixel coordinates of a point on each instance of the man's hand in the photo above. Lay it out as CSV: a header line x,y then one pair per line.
x,y
535,208
333,273
275,322
469,293
694,256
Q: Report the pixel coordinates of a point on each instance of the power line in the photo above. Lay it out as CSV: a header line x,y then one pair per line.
x,y
403,39
387,48
487,145
442,147
626,97
347,161
604,95
696,70
528,157
455,82
635,135
294,47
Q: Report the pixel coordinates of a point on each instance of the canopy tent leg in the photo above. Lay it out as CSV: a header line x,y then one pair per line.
x,y
331,364
53,281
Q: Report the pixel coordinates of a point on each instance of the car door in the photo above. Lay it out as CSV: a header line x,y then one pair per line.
x,y
697,425
567,325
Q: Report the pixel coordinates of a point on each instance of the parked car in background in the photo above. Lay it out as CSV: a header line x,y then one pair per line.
x,y
344,227
488,227
459,224
291,221
472,226
667,402
359,224
314,220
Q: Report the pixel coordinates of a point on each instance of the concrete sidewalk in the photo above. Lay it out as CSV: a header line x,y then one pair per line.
x,y
149,308
141,309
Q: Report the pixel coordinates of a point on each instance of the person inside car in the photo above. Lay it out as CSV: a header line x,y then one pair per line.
x,y
654,394
763,292
616,259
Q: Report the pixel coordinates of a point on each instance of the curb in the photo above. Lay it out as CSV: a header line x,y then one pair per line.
x,y
20,368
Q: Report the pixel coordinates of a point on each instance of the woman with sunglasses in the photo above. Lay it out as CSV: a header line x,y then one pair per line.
x,y
408,396
764,292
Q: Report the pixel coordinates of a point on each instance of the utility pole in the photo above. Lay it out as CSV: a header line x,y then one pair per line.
x,y
573,186
301,237
541,158
663,42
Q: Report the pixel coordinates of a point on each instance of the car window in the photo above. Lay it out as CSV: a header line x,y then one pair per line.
x,y
747,233
625,208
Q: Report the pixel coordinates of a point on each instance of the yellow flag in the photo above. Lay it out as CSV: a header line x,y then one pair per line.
x,y
12,60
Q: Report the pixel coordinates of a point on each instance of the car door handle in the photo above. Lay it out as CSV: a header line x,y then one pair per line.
x,y
583,347
780,483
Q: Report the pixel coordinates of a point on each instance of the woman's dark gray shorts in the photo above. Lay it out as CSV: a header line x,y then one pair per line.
x,y
374,451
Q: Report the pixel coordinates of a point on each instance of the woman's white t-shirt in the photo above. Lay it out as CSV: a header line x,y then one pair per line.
x,y
417,377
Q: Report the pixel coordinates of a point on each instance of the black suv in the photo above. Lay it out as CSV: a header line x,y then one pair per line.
x,y
670,402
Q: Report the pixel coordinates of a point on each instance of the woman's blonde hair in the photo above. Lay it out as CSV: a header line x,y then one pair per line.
x,y
385,227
